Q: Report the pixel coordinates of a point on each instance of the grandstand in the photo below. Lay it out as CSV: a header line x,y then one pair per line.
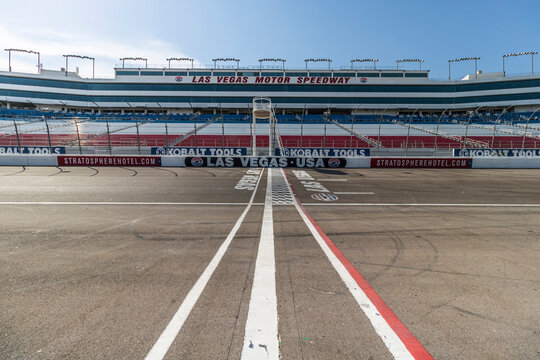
x,y
162,107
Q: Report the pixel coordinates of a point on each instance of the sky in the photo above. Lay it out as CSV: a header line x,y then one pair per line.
x,y
434,31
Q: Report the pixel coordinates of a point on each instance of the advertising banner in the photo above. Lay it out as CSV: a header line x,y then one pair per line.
x,y
32,150
311,80
263,161
320,152
81,160
434,163
199,151
496,152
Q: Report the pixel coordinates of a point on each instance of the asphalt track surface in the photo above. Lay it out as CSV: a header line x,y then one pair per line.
x,y
96,262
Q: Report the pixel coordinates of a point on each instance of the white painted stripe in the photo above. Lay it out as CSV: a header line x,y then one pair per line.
x,y
120,203
168,335
333,180
422,205
388,336
354,193
127,203
261,336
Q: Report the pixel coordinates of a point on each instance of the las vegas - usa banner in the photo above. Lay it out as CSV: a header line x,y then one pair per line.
x,y
496,152
265,162
199,151
322,152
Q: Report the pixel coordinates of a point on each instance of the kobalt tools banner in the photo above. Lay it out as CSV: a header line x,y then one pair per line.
x,y
34,150
318,152
261,161
420,163
496,152
199,151
109,161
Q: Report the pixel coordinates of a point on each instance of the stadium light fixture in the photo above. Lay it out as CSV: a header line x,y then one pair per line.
x,y
532,53
81,57
180,59
374,61
409,60
465,59
318,60
24,51
272,60
134,59
227,60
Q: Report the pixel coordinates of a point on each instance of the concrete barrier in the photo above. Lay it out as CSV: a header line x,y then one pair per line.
x,y
179,161
28,160
506,163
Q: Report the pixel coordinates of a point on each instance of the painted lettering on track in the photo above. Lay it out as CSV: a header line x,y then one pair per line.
x,y
249,180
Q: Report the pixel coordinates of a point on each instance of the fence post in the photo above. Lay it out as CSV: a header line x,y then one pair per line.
x,y
138,135
16,133
48,135
78,136
166,132
108,135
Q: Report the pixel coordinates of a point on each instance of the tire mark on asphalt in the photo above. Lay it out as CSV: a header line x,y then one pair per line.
x,y
18,172
455,273
59,172
167,170
398,245
428,266
205,171
489,318
96,171
134,172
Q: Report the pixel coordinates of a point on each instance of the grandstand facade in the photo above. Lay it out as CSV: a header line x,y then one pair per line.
x,y
291,91
145,108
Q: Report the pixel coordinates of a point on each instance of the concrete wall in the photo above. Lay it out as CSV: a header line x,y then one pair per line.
x,y
178,161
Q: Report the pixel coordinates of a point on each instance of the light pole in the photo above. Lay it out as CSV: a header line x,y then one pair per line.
x,y
272,60
227,60
409,60
374,61
180,59
24,51
134,59
465,59
318,60
81,57
532,53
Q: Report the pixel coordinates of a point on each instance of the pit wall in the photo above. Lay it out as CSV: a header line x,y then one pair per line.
x,y
365,162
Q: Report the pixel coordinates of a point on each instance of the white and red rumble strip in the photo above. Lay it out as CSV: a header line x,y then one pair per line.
x,y
395,335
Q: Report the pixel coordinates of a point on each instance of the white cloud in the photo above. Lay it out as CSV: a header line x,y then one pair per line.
x,y
52,45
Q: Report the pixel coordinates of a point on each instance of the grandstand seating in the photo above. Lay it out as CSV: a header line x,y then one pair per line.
x,y
32,129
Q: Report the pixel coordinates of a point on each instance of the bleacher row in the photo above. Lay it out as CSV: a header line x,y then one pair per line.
x,y
486,117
